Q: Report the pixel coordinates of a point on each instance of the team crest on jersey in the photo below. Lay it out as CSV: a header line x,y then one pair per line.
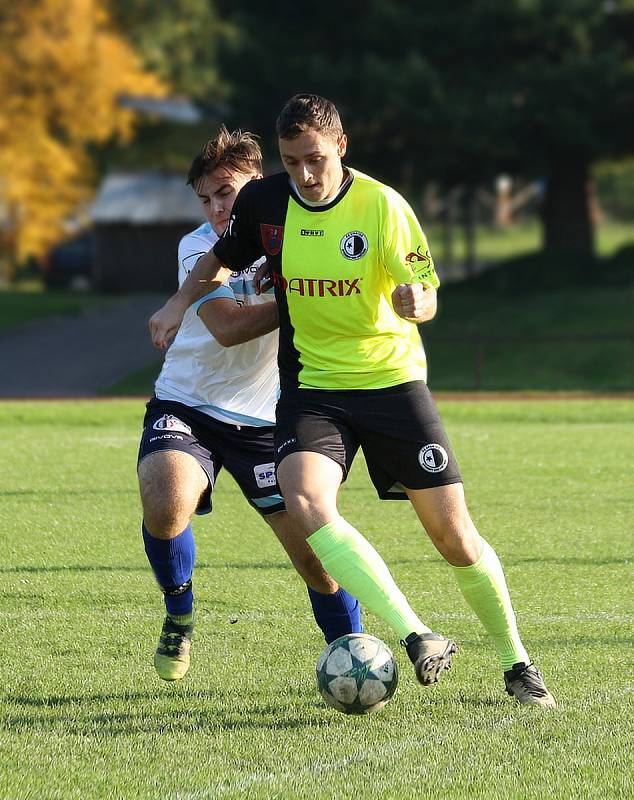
x,y
272,236
354,245
170,423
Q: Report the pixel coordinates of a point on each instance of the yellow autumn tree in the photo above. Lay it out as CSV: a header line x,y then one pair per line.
x,y
62,70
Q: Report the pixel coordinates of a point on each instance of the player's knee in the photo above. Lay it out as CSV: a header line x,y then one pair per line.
x,y
168,504
308,509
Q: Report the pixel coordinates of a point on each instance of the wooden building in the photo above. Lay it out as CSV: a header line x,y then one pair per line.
x,y
139,219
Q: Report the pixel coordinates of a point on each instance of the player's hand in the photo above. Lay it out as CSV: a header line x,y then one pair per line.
x,y
165,322
263,278
414,301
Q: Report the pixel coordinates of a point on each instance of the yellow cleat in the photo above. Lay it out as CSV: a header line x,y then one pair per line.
x,y
172,658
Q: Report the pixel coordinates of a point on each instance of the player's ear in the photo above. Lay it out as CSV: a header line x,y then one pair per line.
x,y
342,145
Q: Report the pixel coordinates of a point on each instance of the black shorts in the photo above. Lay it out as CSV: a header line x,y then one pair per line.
x,y
398,429
246,452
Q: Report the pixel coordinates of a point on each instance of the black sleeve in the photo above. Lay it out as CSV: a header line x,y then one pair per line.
x,y
240,245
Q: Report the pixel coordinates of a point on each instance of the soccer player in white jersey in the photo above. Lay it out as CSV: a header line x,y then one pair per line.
x,y
214,407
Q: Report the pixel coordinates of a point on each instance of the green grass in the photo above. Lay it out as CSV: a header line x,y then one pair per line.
x,y
518,360
83,715
19,307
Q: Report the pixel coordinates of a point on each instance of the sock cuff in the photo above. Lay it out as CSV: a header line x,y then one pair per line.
x,y
480,566
171,547
327,536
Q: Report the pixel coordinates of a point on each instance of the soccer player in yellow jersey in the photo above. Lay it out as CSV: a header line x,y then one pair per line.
x,y
353,277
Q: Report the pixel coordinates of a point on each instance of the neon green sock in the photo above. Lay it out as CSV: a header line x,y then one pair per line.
x,y
355,565
483,586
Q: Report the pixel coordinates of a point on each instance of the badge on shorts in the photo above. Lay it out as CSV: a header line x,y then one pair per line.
x,y
168,422
433,458
265,475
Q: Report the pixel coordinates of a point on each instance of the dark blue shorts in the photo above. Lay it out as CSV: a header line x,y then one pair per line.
x,y
398,429
245,452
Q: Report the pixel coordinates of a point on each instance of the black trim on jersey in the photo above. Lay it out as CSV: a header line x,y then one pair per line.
x,y
342,193
263,202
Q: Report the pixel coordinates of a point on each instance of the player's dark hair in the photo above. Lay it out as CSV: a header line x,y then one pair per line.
x,y
237,151
308,111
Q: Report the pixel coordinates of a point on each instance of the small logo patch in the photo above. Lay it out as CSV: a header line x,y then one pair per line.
x,y
309,232
418,256
354,245
433,458
265,475
170,423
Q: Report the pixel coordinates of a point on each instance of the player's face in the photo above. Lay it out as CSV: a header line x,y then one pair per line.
x,y
313,161
217,192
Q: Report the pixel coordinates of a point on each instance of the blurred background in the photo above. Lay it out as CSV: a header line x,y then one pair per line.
x,y
507,124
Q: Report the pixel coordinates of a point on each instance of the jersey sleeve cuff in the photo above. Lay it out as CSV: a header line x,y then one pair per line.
x,y
221,291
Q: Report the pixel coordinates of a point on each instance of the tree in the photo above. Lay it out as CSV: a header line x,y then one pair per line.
x,y
62,70
455,92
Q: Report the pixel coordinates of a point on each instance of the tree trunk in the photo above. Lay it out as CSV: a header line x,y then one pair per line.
x,y
566,211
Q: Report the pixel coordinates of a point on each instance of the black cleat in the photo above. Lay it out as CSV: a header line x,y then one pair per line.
x,y
430,653
525,683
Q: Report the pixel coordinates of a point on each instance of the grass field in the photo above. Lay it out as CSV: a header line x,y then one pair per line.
x,y
84,716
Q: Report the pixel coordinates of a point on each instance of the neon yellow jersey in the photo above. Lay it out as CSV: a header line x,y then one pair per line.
x,y
334,270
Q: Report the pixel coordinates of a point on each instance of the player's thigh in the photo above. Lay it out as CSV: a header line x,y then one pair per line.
x,y
310,484
315,448
176,465
171,481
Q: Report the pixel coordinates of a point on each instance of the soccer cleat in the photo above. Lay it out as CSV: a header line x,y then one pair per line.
x,y
171,659
430,653
525,683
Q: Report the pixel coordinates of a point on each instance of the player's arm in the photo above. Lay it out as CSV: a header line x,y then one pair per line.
x,y
208,274
231,324
238,247
407,258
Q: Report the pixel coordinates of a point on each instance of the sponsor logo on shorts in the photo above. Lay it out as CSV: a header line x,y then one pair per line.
x,y
170,423
354,245
265,475
433,457
287,443
167,436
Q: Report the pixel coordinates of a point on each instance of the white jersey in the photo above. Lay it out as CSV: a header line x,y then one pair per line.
x,y
238,385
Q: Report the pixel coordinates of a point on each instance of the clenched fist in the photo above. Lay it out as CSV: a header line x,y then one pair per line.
x,y
414,301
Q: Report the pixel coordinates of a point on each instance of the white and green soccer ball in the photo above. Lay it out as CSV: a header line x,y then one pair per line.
x,y
357,674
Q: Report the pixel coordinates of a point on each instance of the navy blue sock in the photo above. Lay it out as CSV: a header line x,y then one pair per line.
x,y
336,614
172,561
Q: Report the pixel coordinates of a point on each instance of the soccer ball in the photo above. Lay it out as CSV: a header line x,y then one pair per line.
x,y
357,674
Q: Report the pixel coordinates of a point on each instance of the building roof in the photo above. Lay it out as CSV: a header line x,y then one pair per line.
x,y
145,198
